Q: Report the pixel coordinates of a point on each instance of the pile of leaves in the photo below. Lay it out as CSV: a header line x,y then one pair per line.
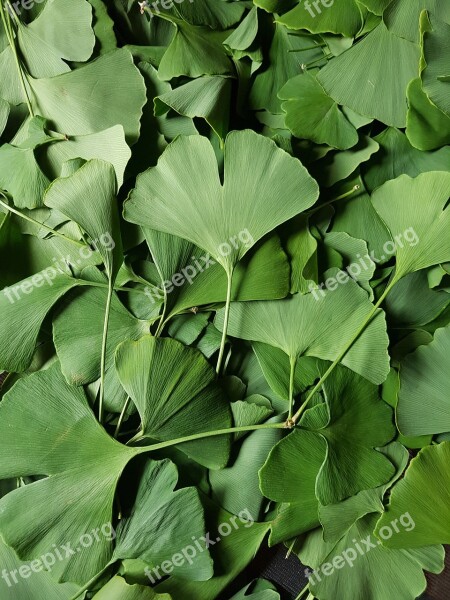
x,y
225,310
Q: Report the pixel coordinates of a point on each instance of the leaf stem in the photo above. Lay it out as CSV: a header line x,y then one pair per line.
x,y
303,592
354,189
341,355
293,362
121,417
225,322
99,284
90,583
9,34
206,434
103,353
31,220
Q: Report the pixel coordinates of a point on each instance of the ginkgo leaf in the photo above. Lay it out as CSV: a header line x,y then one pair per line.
x,y
43,421
195,51
402,16
108,145
162,522
75,102
37,583
21,176
47,40
231,556
337,519
423,494
192,278
118,589
420,230
311,114
203,97
216,15
33,296
427,127
424,406
343,435
437,68
222,219
397,157
178,397
93,185
329,16
259,590
319,324
287,54
372,76
78,329
348,578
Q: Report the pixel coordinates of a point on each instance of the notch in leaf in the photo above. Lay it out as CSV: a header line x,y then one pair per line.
x,y
183,195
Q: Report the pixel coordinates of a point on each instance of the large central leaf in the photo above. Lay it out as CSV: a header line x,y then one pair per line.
x,y
183,195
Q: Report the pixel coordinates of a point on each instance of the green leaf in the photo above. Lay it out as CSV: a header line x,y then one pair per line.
x,y
213,216
37,583
21,176
47,40
195,51
262,590
204,97
428,304
289,476
226,484
162,522
216,15
118,589
191,278
427,127
337,519
401,570
337,166
424,406
311,114
34,297
419,229
402,16
47,428
74,197
287,53
78,329
318,326
108,145
332,17
435,53
424,495
343,436
397,157
231,556
104,93
372,76
178,397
